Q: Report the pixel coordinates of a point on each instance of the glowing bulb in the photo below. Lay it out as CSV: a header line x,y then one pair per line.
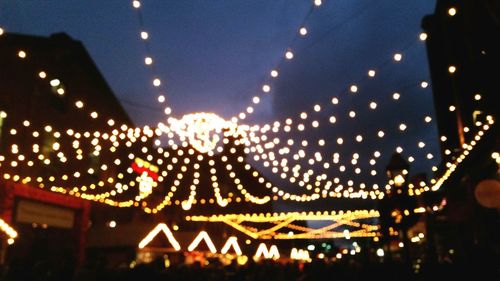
x,y
266,88
42,74
79,104
144,35
136,4
156,82
274,73
289,55
256,100
318,3
451,108
371,73
452,11
303,31
380,134
428,119
477,96
21,54
340,141
332,119
424,84
335,100
402,126
55,82
161,98
452,69
396,96
1,31
317,108
353,88
398,57
352,114
148,60
373,105
423,36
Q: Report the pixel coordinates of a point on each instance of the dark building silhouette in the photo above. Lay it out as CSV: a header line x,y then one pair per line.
x,y
463,45
50,89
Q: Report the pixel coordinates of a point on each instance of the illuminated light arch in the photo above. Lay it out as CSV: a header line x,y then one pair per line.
x,y
264,252
151,235
282,227
300,254
203,235
231,242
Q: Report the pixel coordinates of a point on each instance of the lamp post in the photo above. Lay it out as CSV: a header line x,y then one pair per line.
x,y
396,206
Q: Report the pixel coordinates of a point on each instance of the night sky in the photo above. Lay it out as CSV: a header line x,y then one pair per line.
x,y
214,56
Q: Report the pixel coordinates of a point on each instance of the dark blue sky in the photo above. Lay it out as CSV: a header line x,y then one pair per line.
x,y
214,56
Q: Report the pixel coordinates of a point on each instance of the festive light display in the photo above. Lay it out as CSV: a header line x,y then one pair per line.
x,y
280,222
267,253
202,236
300,254
231,242
161,227
207,138
8,230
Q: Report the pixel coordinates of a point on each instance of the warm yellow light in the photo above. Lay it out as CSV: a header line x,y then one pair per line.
x,y
152,234
136,4
21,54
452,69
263,251
144,35
353,88
203,235
289,55
274,73
399,180
452,11
148,60
231,242
423,36
303,31
424,84
398,57
55,82
371,73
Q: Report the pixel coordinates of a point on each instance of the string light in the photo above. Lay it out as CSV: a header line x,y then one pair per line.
x,y
452,11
